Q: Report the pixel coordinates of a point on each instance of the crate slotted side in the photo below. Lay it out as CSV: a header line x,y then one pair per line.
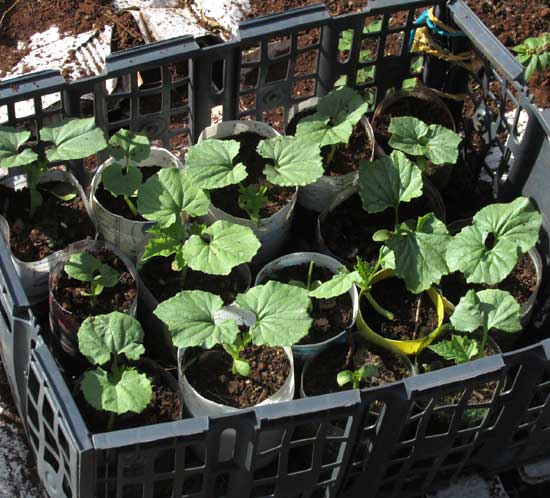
x,y
380,442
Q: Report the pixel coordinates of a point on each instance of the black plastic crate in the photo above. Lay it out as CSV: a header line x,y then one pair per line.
x,y
388,446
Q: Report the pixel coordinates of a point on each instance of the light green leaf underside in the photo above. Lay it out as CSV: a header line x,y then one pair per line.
x,y
337,285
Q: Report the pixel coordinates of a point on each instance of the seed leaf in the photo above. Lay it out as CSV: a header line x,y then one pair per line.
x,y
281,313
189,316
339,284
11,141
388,181
87,268
221,247
119,182
130,146
210,164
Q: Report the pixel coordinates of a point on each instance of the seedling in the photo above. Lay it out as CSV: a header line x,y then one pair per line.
x,y
487,251
534,54
170,198
123,177
355,377
109,339
485,311
430,144
280,312
72,139
334,120
309,283
290,162
87,268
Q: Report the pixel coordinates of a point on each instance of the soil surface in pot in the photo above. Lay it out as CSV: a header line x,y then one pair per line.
x,y
164,283
55,223
415,315
347,158
330,316
117,205
227,199
165,405
425,110
323,369
25,18
348,229
67,291
521,283
211,375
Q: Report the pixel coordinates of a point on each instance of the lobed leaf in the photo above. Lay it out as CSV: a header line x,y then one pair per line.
x,y
459,348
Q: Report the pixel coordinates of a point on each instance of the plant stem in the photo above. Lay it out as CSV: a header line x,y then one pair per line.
x,y
396,216
309,275
483,342
330,156
131,205
381,311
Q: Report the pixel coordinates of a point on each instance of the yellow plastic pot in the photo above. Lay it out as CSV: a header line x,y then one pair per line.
x,y
403,347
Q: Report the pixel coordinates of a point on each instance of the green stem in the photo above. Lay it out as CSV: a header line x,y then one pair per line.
x,y
381,311
131,205
309,275
483,342
330,156
396,216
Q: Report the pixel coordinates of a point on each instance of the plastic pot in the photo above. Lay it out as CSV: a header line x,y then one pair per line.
x,y
130,236
195,405
407,347
63,324
272,232
432,195
305,351
321,193
441,174
34,274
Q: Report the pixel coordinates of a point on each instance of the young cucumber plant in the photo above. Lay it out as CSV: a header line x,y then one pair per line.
x,y
123,177
107,340
333,122
432,145
485,311
290,162
309,283
87,268
487,251
534,54
355,377
71,139
170,198
280,319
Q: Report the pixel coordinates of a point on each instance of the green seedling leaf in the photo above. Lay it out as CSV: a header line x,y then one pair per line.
x,y
252,199
281,313
337,114
534,53
73,139
129,146
189,316
344,377
242,367
487,251
293,162
210,164
119,181
103,336
11,141
339,284
414,137
164,196
87,268
420,253
63,191
487,310
221,247
459,349
129,392
165,242
356,377
388,181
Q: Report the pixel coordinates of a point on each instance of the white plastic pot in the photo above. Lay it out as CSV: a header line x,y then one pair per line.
x,y
196,405
318,195
272,232
130,236
304,351
34,274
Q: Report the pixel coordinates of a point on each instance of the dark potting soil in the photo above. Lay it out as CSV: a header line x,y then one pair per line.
x,y
67,291
415,315
165,405
323,369
55,223
425,110
520,283
330,316
164,283
348,229
117,204
211,375
25,18
226,198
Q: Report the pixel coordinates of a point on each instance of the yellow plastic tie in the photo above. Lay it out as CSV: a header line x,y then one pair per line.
x,y
439,23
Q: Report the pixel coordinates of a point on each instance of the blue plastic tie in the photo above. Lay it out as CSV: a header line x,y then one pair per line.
x,y
425,17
